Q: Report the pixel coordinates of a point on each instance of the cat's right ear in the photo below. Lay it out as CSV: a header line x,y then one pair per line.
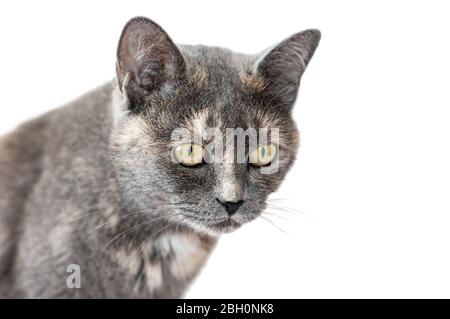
x,y
147,59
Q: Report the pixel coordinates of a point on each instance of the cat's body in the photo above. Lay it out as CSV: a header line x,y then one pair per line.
x,y
60,167
85,185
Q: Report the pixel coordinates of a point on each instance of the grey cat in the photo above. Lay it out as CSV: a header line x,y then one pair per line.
x,y
94,183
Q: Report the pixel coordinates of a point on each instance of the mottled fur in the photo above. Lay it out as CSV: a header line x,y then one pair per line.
x,y
93,183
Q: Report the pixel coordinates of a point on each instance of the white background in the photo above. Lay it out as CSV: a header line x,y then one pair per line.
x,y
373,176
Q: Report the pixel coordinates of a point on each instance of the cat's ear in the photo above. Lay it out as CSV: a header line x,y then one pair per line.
x,y
147,58
282,66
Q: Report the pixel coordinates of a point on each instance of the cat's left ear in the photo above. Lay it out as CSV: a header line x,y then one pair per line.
x,y
281,67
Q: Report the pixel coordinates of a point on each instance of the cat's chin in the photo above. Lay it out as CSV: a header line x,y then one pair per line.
x,y
226,226
214,229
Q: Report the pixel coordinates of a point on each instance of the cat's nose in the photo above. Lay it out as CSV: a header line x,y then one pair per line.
x,y
231,207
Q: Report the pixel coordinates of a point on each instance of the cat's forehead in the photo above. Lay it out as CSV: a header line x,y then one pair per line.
x,y
201,120
225,89
221,68
221,92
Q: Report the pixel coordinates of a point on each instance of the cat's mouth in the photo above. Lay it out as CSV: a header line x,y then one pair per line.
x,y
218,226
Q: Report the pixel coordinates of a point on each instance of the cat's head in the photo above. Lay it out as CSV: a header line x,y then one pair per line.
x,y
204,132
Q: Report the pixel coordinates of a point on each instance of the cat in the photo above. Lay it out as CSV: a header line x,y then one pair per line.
x,y
100,192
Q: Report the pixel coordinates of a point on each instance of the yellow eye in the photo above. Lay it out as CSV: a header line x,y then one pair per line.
x,y
189,154
263,155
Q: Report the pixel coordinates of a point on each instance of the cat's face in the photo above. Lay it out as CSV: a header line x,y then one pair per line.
x,y
204,132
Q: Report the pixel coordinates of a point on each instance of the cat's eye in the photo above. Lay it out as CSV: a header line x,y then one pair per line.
x,y
189,154
263,155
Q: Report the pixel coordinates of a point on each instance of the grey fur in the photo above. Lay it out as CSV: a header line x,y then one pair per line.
x,y
92,183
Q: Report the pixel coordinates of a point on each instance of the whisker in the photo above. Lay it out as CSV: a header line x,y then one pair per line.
x,y
139,250
115,241
276,215
289,210
101,210
278,199
117,217
275,225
